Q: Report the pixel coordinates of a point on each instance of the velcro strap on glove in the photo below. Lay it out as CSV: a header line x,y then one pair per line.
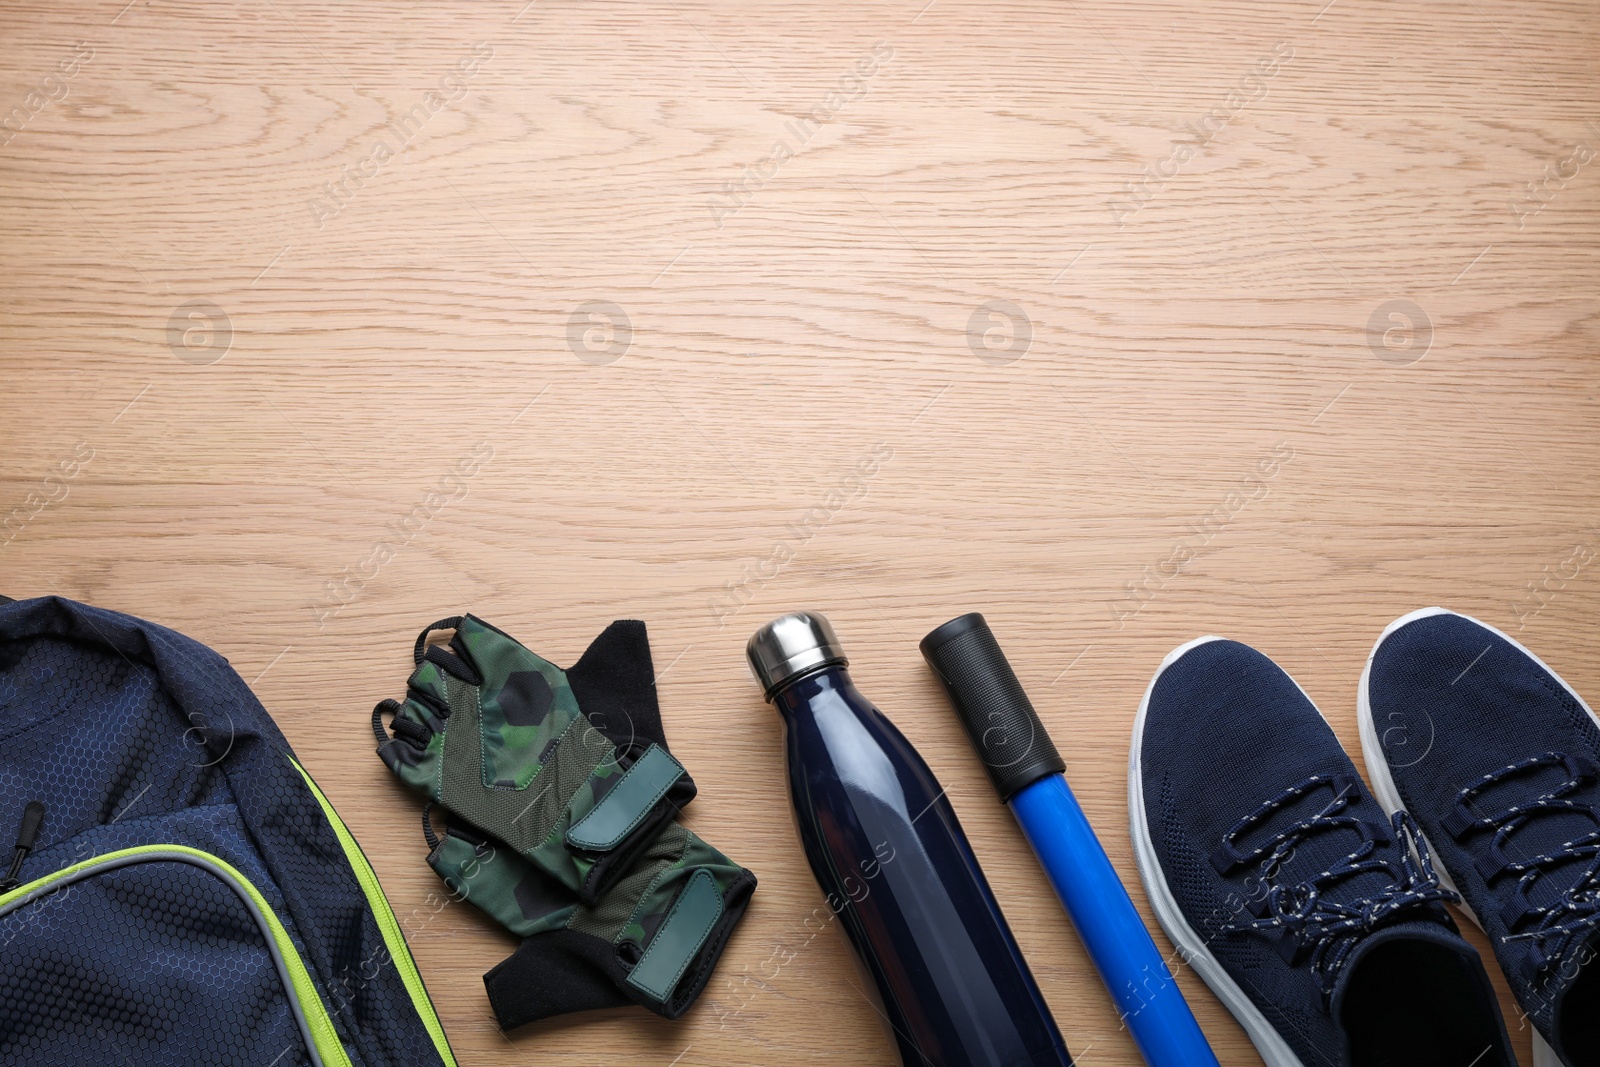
x,y
653,939
626,804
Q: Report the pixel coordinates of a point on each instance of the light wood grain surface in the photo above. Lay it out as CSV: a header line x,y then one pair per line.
x,y
674,269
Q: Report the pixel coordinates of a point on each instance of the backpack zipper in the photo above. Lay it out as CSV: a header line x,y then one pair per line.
x,y
27,837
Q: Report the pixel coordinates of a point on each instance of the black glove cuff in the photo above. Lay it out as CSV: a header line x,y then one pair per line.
x,y
552,974
615,684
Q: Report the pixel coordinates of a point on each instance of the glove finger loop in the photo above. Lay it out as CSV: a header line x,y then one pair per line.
x,y
387,704
404,728
422,639
409,730
427,827
453,663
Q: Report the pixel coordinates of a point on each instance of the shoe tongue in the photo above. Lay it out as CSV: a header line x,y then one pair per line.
x,y
1413,930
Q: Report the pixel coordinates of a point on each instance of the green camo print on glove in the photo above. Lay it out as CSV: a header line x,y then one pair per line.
x,y
494,734
506,887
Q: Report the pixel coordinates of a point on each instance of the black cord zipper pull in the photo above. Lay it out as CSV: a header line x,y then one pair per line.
x,y
27,835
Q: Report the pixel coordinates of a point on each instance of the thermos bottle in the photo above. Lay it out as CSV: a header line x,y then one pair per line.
x,y
887,850
1026,771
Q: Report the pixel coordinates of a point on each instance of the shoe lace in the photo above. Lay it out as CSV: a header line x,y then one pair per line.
x,y
1555,927
1304,916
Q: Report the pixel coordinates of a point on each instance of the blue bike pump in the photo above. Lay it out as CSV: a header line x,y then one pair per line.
x,y
1027,773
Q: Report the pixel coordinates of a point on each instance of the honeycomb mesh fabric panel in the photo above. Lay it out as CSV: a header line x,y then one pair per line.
x,y
130,731
128,758
188,978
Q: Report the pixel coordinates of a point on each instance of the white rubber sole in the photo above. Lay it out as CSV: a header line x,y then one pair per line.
x,y
1382,778
1268,1042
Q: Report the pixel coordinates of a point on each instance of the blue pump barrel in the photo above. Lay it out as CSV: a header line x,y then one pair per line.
x,y
1026,770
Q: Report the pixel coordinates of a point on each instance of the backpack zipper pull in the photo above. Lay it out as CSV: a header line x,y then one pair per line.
x,y
27,836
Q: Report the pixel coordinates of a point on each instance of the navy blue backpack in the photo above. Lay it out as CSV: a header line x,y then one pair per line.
x,y
180,891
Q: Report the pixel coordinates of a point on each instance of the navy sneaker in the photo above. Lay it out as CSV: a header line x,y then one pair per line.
x,y
1498,760
1284,884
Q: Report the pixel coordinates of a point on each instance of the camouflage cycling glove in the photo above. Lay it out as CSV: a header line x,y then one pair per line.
x,y
650,928
500,738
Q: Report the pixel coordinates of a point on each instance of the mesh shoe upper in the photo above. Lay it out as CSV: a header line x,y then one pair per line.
x,y
1499,763
1283,865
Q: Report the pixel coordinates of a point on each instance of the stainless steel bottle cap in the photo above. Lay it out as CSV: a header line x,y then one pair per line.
x,y
790,645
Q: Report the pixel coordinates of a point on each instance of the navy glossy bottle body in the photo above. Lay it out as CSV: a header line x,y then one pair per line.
x,y
886,847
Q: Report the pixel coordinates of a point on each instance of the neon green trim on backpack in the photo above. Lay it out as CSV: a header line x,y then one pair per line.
x,y
393,937
323,1034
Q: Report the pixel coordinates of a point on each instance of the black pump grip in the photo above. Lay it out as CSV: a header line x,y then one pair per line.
x,y
999,719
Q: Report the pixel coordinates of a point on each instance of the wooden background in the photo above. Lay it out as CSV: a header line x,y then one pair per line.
x,y
949,268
